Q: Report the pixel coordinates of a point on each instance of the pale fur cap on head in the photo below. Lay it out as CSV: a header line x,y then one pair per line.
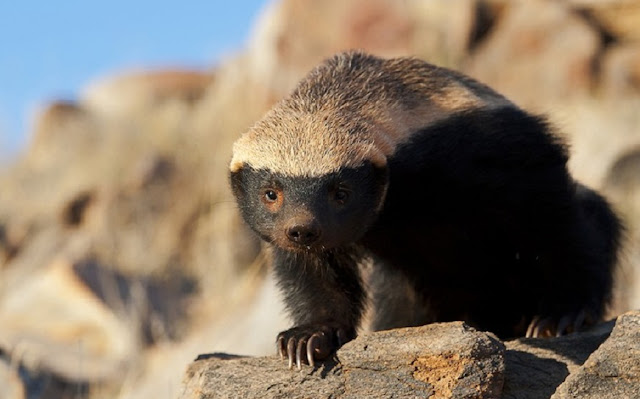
x,y
355,108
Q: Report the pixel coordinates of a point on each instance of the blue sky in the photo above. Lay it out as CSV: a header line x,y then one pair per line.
x,y
51,49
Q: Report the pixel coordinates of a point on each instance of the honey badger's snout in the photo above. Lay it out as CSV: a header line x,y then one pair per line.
x,y
302,231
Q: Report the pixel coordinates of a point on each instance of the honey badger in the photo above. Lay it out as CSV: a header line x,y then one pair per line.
x,y
443,184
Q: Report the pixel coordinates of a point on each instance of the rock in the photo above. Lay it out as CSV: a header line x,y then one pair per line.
x,y
54,322
9,245
448,360
535,367
452,360
10,384
235,331
620,74
618,18
622,186
75,211
538,51
127,94
17,382
612,371
293,36
61,130
624,174
443,30
155,308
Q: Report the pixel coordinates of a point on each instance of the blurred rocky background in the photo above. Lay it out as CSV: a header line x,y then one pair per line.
x,y
122,255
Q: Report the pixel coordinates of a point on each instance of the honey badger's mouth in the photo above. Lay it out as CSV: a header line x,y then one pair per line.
x,y
321,246
317,247
318,253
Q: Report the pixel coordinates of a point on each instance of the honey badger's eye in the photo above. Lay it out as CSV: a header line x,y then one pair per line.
x,y
341,196
272,199
270,196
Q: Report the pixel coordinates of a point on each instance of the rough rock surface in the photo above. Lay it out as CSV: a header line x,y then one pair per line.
x,y
447,360
438,361
612,371
622,183
54,322
534,367
293,35
556,47
621,70
618,18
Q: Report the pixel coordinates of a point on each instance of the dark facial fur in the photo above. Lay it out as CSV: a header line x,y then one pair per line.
x,y
303,213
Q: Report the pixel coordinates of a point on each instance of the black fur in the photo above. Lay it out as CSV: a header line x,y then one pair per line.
x,y
491,228
322,288
481,222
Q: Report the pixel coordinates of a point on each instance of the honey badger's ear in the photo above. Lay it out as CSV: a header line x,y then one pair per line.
x,y
381,175
381,179
237,181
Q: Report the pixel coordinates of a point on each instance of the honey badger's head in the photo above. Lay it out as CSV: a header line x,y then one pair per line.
x,y
310,213
312,173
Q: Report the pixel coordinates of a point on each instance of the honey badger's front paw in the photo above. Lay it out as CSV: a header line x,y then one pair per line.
x,y
557,326
311,342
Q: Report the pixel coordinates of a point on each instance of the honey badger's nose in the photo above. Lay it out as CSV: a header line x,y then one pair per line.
x,y
303,234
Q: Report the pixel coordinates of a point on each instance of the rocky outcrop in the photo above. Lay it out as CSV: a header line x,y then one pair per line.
x,y
448,360
556,47
621,70
618,18
53,322
536,367
438,361
613,371
622,182
129,94
10,384
294,35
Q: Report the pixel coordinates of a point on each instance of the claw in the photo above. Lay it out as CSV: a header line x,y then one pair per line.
x,y
342,337
308,344
291,349
302,344
312,347
281,348
541,328
554,327
563,325
538,327
532,326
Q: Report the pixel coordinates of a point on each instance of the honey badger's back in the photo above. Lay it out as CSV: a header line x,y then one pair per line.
x,y
487,225
353,108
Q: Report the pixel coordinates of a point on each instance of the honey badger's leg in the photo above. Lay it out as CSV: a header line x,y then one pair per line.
x,y
324,295
395,302
590,256
603,227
